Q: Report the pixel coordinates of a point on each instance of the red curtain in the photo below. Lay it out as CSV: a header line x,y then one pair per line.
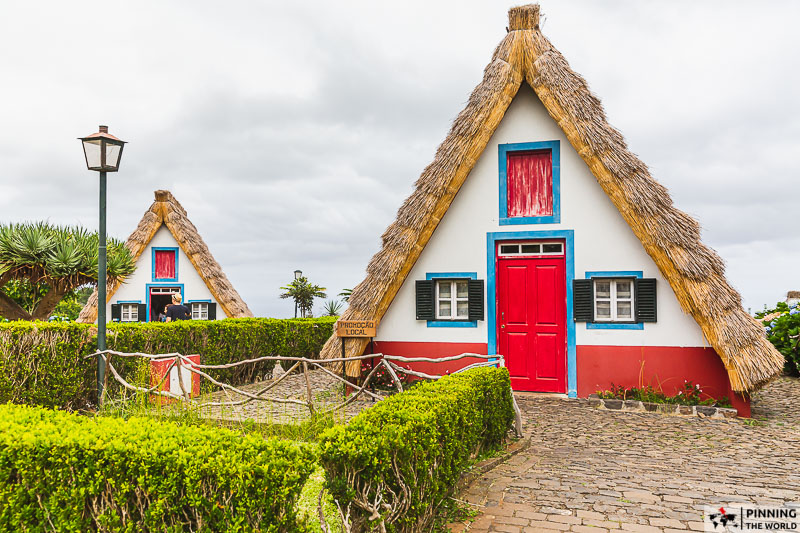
x,y
530,184
165,264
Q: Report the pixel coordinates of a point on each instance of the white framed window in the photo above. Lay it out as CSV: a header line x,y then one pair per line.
x,y
613,300
521,249
199,310
165,290
129,312
452,299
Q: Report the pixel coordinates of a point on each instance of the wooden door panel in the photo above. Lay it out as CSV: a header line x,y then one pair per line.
x,y
546,356
518,343
517,308
546,293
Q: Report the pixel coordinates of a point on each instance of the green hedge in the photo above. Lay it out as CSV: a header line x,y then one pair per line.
x,y
64,472
408,451
42,363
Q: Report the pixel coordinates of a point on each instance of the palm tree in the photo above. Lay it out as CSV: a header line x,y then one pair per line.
x,y
345,294
41,263
303,294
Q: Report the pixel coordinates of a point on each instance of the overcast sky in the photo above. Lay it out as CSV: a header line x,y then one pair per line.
x,y
292,132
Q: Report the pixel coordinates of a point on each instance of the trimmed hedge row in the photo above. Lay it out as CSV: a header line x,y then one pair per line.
x,y
42,363
397,461
63,472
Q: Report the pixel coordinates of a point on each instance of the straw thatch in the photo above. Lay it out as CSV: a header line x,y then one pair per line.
x,y
671,237
166,210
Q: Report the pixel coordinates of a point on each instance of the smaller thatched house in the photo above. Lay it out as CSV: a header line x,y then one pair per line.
x,y
171,257
537,234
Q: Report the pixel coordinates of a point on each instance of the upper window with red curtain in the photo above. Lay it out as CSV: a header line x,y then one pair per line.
x,y
529,183
165,264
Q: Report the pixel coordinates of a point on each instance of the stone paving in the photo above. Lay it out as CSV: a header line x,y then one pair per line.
x,y
326,391
593,471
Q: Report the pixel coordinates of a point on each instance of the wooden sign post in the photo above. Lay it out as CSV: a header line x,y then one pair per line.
x,y
357,329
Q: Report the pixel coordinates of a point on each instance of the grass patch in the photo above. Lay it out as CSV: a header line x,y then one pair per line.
x,y
308,504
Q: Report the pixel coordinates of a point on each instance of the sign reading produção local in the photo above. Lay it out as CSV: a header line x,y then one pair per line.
x,y
356,328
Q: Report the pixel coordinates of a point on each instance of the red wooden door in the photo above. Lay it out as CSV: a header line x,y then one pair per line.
x,y
532,321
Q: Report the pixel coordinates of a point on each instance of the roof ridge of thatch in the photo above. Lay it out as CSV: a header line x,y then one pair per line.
x,y
669,236
166,210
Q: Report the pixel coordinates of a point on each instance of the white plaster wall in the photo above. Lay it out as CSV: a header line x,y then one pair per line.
x,y
603,242
135,287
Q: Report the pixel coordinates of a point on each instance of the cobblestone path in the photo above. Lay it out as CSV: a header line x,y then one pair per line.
x,y
598,471
326,390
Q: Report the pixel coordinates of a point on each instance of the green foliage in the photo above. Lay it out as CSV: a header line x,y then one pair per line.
x,y
782,326
332,308
49,261
407,452
26,294
345,294
43,363
69,308
303,294
308,504
690,394
63,472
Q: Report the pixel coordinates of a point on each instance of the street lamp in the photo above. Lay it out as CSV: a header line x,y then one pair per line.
x,y
297,275
103,152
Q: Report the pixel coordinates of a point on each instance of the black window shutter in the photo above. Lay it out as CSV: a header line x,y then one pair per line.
x,y
212,311
425,308
646,304
583,300
476,299
142,312
116,312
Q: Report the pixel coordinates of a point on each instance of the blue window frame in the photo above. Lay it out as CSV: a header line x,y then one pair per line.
x,y
455,323
153,270
555,151
614,274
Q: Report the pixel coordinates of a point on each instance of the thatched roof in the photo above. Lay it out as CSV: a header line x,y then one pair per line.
x,y
671,237
166,210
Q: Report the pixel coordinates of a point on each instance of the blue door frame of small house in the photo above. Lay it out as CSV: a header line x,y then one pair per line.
x,y
491,295
147,293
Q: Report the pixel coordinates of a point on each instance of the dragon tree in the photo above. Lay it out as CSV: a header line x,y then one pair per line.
x,y
50,262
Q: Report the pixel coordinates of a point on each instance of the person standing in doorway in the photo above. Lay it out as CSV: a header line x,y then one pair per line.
x,y
178,311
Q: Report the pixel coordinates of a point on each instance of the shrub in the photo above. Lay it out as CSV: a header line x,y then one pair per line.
x,y
63,472
782,326
396,462
43,363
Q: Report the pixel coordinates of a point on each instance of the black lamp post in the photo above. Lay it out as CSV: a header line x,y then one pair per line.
x,y
103,152
297,275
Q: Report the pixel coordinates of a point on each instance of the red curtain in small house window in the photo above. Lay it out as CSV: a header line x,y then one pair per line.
x,y
530,184
165,264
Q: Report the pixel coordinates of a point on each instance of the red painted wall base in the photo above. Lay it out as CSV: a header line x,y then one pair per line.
x,y
663,367
433,349
598,367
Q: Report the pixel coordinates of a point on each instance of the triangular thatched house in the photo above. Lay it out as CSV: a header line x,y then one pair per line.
x,y
537,234
171,257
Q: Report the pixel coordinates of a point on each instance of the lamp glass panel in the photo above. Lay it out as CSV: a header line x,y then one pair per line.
x,y
113,151
92,149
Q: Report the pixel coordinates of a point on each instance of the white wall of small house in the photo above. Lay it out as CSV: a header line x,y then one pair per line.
x,y
135,287
603,242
